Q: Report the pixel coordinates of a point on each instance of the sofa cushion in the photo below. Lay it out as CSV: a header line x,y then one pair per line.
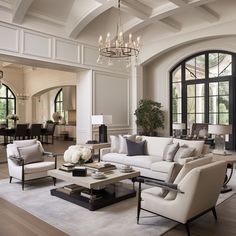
x,y
31,154
197,144
183,152
169,151
39,166
162,166
155,145
135,148
138,161
123,144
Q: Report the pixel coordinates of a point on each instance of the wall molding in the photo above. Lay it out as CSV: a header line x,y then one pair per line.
x,y
48,48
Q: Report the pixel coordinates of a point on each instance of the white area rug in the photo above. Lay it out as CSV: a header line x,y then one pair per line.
x,y
117,219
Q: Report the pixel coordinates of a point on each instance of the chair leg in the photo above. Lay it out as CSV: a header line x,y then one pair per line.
x,y
10,179
139,202
54,181
23,184
187,229
214,213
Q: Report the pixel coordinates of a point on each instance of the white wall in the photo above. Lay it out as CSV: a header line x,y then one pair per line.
x,y
39,81
156,73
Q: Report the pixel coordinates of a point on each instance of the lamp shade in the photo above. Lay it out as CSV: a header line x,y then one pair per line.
x,y
179,126
101,119
219,129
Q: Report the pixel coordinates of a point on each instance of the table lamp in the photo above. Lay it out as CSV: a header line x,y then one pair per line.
x,y
102,120
178,127
219,131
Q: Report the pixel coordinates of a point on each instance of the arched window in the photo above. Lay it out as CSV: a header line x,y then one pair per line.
x,y
202,89
7,103
58,104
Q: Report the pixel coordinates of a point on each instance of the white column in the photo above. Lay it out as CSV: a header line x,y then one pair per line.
x,y
136,93
84,98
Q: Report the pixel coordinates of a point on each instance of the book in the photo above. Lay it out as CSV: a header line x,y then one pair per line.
x,y
65,168
100,166
95,196
73,188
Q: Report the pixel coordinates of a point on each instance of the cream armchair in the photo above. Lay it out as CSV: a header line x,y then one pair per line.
x,y
27,160
194,193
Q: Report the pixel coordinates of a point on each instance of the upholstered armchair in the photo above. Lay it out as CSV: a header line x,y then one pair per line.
x,y
193,193
27,160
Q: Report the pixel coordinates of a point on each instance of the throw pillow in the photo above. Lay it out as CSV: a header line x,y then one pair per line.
x,y
174,171
170,151
31,154
183,152
115,143
123,144
135,148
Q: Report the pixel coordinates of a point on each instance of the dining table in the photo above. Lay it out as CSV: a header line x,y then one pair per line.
x,y
9,132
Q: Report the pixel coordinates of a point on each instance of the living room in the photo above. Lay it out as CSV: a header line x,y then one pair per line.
x,y
52,47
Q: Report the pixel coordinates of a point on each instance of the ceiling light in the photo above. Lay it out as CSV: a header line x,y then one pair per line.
x,y
118,47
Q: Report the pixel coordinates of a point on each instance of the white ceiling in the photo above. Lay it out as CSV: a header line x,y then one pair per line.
x,y
74,17
85,20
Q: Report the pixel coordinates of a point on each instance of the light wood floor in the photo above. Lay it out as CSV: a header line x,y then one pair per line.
x,y
15,221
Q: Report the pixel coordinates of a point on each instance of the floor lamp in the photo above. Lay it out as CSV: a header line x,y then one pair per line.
x,y
219,131
103,121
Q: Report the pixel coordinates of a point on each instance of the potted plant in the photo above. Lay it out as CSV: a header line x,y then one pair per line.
x,y
149,116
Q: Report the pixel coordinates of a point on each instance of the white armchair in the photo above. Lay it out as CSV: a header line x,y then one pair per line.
x,y
27,160
193,194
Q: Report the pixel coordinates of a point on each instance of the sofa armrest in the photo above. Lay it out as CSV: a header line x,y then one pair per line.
x,y
104,151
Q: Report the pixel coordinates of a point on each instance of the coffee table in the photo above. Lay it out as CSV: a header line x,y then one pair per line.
x,y
110,188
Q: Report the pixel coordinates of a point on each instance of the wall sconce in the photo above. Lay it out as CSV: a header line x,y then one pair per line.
x,y
102,120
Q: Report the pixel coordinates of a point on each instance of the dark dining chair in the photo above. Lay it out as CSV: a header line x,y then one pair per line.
x,y
35,131
21,131
49,131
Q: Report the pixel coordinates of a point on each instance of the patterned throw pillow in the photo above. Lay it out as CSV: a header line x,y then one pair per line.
x,y
183,152
170,151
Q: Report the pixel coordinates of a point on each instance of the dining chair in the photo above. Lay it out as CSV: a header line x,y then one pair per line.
x,y
35,131
50,128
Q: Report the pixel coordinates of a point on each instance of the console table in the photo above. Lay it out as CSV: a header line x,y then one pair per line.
x,y
230,159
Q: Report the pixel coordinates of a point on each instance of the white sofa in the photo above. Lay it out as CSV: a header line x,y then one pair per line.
x,y
152,164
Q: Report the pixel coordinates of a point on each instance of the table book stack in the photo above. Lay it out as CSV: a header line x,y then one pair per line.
x,y
97,166
70,189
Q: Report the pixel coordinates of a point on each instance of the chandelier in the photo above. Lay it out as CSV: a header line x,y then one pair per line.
x,y
118,47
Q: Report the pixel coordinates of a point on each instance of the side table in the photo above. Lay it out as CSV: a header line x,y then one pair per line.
x,y
230,159
96,146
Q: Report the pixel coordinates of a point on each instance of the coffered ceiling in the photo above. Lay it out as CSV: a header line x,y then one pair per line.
x,y
81,19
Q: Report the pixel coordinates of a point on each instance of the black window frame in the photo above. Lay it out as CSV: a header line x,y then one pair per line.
x,y
206,81
7,98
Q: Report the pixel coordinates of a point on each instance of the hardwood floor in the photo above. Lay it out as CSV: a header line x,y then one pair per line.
x,y
207,226
15,221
